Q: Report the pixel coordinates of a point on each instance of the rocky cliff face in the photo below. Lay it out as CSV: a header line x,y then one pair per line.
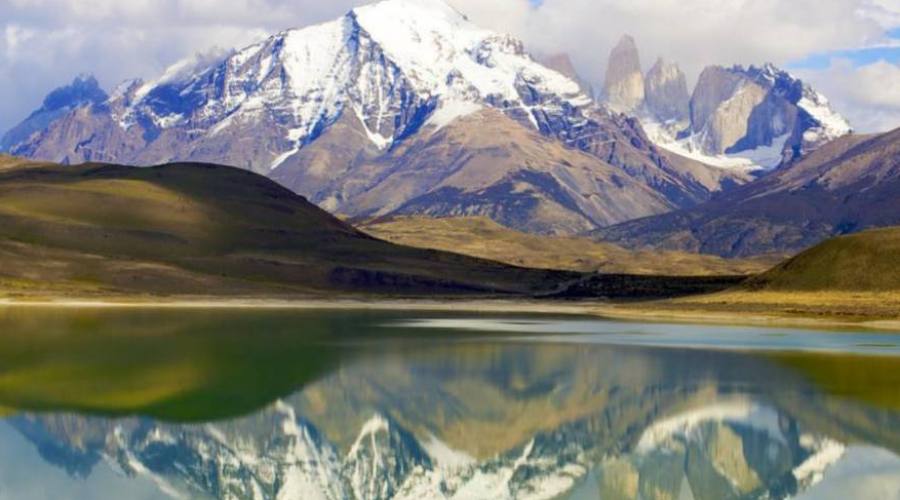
x,y
736,109
623,86
666,92
754,117
352,113
750,118
723,109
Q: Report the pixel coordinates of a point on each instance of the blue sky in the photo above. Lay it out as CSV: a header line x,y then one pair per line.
x,y
859,57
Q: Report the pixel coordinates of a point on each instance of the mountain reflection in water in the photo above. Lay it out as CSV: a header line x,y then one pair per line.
x,y
286,404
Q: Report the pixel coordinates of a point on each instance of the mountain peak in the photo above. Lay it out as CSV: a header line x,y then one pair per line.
x,y
85,79
623,86
407,8
83,89
661,64
626,42
751,117
666,94
626,54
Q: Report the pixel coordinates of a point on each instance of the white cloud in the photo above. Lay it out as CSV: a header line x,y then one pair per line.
x,y
118,39
868,95
693,32
696,33
886,12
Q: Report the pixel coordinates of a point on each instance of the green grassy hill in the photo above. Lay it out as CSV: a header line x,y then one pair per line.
x,y
207,230
863,262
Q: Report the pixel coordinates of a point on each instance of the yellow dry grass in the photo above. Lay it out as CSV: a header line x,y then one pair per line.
x,y
481,237
835,304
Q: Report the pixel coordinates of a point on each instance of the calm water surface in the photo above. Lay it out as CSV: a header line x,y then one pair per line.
x,y
146,404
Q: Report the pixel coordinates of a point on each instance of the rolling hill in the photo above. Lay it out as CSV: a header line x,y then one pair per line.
x,y
863,262
849,278
206,229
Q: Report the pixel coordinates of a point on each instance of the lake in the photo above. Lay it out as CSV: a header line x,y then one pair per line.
x,y
247,403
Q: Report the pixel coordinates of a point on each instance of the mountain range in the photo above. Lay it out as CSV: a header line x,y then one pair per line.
x,y
407,108
353,114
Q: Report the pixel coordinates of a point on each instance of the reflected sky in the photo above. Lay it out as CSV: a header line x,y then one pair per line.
x,y
316,404
740,338
24,473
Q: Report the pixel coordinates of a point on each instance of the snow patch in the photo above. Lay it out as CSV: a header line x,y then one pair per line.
x,y
812,470
294,136
446,457
381,142
761,158
451,111
832,125
372,427
737,411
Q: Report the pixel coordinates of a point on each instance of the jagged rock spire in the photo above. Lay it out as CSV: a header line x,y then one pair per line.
x,y
623,87
666,93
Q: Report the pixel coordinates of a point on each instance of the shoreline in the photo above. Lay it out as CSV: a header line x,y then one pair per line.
x,y
689,314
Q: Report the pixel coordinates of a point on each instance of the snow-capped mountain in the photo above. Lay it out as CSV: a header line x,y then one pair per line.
x,y
394,66
751,118
338,110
